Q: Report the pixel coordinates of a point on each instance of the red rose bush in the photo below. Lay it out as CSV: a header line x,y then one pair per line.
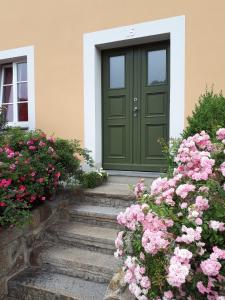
x,y
31,168
173,241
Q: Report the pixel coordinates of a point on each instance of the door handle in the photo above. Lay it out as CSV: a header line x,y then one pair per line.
x,y
135,110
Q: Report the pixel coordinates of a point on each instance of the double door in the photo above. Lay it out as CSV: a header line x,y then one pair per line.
x,y
135,107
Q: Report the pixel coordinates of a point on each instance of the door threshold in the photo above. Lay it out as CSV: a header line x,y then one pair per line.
x,y
134,174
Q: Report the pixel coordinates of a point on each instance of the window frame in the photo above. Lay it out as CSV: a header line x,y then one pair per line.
x,y
15,56
14,84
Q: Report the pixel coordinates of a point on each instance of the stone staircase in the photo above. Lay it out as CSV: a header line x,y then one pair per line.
x,y
75,260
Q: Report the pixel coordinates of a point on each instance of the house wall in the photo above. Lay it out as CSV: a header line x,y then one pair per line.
x,y
56,29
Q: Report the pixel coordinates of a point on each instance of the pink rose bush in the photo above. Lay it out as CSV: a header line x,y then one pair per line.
x,y
173,238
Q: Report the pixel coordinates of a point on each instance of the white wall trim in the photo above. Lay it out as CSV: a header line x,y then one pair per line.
x,y
133,34
27,52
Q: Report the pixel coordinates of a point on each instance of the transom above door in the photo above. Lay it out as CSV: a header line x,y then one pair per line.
x,y
135,107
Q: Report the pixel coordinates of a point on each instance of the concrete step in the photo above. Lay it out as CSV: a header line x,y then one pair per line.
x,y
35,284
76,262
104,216
86,236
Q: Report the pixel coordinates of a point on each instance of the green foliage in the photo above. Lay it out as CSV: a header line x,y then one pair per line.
x,y
169,151
93,178
2,118
208,115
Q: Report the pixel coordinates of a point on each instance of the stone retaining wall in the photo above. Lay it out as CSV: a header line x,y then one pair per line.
x,y
16,244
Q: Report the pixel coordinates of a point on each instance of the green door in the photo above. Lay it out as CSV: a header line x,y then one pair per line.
x,y
135,107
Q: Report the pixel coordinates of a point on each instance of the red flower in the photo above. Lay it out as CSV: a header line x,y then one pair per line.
x,y
5,182
2,204
40,180
22,188
32,147
57,174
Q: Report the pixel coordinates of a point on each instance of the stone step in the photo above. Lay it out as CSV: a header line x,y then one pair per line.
x,y
86,236
36,284
110,194
131,177
104,216
76,262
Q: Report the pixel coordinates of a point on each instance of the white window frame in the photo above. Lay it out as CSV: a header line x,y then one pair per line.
x,y
14,56
172,28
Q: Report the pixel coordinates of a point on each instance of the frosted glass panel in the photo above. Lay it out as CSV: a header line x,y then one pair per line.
x,y
117,72
156,67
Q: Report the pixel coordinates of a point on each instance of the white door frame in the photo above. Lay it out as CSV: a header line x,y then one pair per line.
x,y
94,42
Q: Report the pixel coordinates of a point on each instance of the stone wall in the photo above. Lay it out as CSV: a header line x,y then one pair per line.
x,y
16,244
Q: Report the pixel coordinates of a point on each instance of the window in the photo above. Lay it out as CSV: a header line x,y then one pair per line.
x,y
14,93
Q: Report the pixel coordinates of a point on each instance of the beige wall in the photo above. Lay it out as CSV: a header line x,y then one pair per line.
x,y
56,27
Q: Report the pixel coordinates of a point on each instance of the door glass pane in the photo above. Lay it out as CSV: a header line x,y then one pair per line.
x,y
157,67
22,91
22,72
117,72
22,112
7,94
8,110
8,75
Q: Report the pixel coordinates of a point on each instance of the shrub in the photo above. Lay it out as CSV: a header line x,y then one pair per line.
x,y
31,165
208,115
93,178
173,238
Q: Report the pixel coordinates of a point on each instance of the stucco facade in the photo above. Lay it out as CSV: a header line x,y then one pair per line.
x,y
56,30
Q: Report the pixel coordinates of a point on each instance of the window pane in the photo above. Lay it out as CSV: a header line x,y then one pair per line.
x,y
157,67
22,72
7,94
8,110
8,75
117,71
22,112
22,92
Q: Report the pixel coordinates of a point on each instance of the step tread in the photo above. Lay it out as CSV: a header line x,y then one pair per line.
x,y
112,190
104,211
78,257
64,285
85,232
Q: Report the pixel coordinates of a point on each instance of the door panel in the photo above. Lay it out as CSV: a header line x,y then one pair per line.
x,y
135,107
117,90
154,104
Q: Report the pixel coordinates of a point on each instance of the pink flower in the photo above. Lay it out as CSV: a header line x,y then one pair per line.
x,y
220,134
42,144
184,189
217,226
145,282
183,205
2,204
139,189
210,267
168,295
191,235
153,242
222,168
201,203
